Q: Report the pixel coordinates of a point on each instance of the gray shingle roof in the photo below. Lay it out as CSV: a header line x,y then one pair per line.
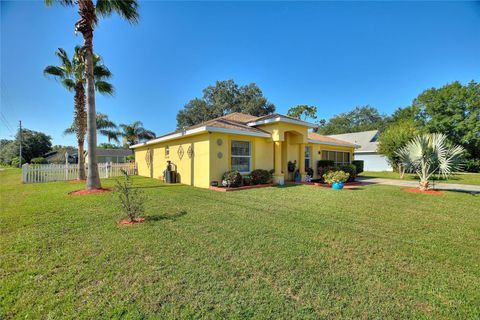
x,y
113,152
367,140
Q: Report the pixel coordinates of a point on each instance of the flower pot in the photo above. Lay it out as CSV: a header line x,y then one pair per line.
x,y
337,185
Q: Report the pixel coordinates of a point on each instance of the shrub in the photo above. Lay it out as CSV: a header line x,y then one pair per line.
x,y
247,180
472,165
38,160
16,162
309,172
260,176
350,169
232,179
335,176
322,170
359,165
325,163
131,200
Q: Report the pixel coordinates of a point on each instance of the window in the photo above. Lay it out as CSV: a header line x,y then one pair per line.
x,y
338,157
241,156
307,157
167,151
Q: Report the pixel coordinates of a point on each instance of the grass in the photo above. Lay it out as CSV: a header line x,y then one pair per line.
x,y
461,178
294,252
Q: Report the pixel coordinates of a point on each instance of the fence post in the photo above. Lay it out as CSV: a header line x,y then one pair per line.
x,y
24,172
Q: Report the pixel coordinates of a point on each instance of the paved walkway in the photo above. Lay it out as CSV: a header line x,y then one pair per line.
x,y
438,185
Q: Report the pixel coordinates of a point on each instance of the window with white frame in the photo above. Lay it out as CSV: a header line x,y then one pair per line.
x,y
339,157
241,153
308,157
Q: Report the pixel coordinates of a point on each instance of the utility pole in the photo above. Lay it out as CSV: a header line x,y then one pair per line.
x,y
20,126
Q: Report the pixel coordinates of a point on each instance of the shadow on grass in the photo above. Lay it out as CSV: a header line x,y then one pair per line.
x,y
288,185
160,217
158,186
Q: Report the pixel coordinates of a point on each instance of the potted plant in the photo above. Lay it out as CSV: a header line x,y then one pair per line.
x,y
336,179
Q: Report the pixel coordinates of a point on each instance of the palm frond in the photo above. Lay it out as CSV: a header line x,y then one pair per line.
x,y
70,130
54,71
104,88
64,59
101,72
62,2
127,9
69,84
103,122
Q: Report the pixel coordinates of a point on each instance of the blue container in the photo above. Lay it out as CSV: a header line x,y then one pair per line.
x,y
337,185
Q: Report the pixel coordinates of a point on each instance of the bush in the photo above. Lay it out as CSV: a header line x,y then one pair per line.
x,y
325,163
472,165
260,176
16,162
359,165
232,179
247,180
309,172
350,169
336,177
131,200
38,160
323,170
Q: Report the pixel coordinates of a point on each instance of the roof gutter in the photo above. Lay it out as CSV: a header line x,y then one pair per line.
x,y
331,143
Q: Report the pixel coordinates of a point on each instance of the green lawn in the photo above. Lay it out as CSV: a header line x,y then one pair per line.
x,y
461,178
293,253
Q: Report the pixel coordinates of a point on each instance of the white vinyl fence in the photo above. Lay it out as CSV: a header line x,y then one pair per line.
x,y
34,173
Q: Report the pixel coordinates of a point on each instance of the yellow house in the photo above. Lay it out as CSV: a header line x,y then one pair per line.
x,y
202,153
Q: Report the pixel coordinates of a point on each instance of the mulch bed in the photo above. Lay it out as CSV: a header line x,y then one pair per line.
x,y
416,190
84,192
128,222
347,185
224,189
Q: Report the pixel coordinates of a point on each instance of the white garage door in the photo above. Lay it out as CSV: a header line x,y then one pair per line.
x,y
374,162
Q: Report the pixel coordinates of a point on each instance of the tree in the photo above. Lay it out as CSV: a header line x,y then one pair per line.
x,y
34,144
135,133
303,110
127,9
428,154
362,118
454,110
223,98
71,73
105,127
393,138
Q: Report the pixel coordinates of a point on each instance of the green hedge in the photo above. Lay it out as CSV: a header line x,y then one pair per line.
x,y
325,163
38,160
359,164
260,176
233,178
350,169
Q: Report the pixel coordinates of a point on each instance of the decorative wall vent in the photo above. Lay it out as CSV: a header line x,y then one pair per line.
x,y
220,155
190,152
219,141
180,152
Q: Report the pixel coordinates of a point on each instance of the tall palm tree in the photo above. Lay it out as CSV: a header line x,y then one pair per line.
x,y
428,154
71,73
88,11
105,127
135,133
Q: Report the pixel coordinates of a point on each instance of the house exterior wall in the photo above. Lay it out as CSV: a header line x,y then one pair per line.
x,y
317,153
374,161
193,170
220,153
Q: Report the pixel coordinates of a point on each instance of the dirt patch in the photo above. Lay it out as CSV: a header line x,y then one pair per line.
x,y
127,222
416,190
84,192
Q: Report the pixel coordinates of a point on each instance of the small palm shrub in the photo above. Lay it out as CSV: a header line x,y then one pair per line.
x,y
260,176
131,200
232,179
336,177
429,154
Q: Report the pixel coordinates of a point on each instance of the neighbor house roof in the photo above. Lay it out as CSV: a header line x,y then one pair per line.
x,y
366,140
314,137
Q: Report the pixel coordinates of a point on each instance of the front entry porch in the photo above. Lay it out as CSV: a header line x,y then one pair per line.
x,y
290,149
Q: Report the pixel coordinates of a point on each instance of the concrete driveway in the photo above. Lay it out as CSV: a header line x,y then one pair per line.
x,y
413,184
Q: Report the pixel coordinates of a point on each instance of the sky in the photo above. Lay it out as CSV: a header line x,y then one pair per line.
x,y
334,55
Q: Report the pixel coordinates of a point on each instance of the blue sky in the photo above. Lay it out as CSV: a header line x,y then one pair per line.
x,y
335,55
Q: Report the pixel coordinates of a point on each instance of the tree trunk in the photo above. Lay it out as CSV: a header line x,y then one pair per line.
x,y
424,185
80,126
85,26
81,161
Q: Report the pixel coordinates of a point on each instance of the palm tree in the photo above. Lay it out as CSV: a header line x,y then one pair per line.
x,y
105,127
429,154
135,133
71,73
88,11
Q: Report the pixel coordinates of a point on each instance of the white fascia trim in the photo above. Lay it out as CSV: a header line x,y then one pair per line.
x,y
365,152
282,119
171,137
330,143
200,130
240,132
